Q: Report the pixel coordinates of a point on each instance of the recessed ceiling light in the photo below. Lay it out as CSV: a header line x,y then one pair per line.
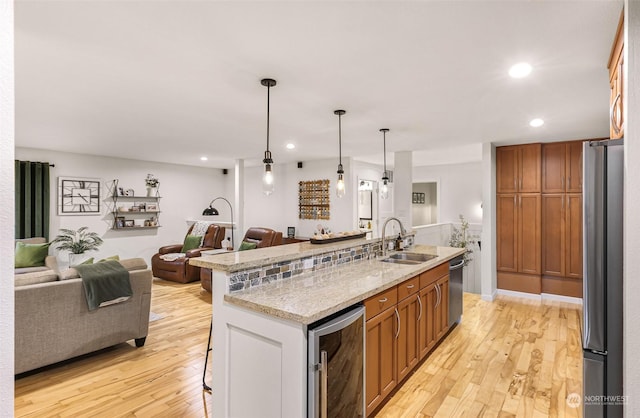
x,y
521,69
203,158
290,146
536,123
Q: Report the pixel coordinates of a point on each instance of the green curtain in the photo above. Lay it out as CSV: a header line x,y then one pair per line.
x,y
32,199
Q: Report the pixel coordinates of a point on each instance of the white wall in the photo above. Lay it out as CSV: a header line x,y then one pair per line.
x,y
280,210
459,189
7,214
631,209
185,192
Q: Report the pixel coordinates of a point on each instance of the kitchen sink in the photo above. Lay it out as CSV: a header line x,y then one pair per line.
x,y
408,258
421,258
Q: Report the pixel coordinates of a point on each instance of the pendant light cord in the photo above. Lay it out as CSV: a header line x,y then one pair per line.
x,y
268,97
340,137
384,150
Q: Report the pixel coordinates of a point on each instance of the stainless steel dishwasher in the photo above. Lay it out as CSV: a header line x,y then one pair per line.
x,y
336,366
455,289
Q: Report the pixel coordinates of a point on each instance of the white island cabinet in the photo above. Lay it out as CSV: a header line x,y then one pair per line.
x,y
263,303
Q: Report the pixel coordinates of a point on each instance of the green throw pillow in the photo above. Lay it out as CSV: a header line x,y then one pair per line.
x,y
190,242
30,255
247,246
88,261
113,257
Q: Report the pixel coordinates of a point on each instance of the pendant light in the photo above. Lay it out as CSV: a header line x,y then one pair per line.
x,y
340,188
267,178
384,190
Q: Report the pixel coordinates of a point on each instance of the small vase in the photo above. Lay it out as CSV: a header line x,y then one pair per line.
x,y
151,191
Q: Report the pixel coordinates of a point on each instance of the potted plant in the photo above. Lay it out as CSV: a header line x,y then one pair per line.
x,y
77,242
461,239
152,184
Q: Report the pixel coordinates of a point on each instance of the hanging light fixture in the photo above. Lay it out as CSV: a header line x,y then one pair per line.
x,y
384,190
340,188
267,178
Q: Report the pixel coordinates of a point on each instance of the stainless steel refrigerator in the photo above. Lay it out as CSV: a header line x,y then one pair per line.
x,y
602,192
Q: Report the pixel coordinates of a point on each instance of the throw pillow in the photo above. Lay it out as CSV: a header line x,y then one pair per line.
x,y
30,255
247,246
190,242
88,261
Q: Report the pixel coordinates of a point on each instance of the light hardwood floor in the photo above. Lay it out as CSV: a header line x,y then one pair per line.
x,y
509,358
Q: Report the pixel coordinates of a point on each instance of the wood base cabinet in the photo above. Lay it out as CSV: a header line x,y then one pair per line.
x,y
381,370
400,334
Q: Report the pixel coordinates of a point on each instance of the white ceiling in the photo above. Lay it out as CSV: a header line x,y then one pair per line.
x,y
171,81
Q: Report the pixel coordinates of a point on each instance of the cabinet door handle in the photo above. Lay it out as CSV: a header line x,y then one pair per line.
x,y
419,313
383,300
515,183
562,182
613,111
411,286
438,295
520,184
324,379
397,319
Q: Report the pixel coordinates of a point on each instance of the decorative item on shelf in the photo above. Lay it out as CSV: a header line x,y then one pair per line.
x,y
77,242
418,197
211,211
340,187
152,184
291,231
267,178
78,196
129,192
384,190
461,239
151,207
120,222
129,223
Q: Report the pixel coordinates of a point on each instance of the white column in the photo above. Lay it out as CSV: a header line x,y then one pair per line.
x,y
402,187
488,283
7,214
631,108
238,210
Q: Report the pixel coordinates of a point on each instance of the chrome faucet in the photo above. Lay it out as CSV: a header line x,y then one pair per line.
x,y
384,228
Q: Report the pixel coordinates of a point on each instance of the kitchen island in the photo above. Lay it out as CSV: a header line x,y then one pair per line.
x,y
264,301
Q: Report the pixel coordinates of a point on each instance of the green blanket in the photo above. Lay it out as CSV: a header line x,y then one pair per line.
x,y
105,283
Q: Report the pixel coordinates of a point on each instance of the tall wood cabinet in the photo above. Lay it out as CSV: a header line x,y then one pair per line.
x,y
562,218
616,83
539,234
519,183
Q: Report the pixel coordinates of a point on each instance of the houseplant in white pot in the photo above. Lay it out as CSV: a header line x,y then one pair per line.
x,y
152,184
77,243
460,238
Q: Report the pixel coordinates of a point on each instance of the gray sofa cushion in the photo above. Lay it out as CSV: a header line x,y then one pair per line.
x,y
23,270
35,277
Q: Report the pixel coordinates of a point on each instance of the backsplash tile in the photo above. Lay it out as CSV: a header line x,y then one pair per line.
x,y
270,273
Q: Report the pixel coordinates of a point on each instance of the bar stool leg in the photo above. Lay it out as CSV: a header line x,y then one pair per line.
x,y
206,358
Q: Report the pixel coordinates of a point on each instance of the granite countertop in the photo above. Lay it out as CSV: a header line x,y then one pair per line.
x,y
312,296
242,260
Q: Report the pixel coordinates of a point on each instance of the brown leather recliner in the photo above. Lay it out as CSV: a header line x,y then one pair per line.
x,y
180,270
263,237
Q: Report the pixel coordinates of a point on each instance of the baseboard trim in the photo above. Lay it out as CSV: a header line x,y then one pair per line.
x,y
525,295
541,297
561,298
489,298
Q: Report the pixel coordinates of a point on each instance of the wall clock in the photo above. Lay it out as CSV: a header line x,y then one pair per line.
x,y
78,196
